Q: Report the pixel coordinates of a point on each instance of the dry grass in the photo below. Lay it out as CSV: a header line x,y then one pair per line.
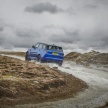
x,y
105,106
13,53
25,82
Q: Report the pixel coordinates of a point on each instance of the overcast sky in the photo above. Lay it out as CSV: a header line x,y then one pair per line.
x,y
78,25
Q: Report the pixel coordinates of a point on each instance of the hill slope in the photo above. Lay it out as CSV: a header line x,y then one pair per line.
x,y
26,82
92,57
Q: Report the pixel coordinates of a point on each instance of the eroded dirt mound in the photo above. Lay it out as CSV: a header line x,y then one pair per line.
x,y
25,82
72,56
92,57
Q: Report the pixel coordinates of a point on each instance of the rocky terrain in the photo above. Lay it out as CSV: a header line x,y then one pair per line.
x,y
93,57
89,58
27,82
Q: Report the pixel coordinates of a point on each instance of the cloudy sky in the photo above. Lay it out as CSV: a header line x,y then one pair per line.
x,y
79,25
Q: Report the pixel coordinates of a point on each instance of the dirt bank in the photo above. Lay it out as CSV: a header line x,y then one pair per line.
x,y
13,53
26,82
93,57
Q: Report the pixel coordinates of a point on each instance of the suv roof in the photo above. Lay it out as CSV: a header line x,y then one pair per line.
x,y
47,44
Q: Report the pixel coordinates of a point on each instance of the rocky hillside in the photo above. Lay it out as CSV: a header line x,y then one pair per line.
x,y
92,57
72,56
26,82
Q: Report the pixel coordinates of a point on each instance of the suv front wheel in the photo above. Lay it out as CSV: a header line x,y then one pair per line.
x,y
27,57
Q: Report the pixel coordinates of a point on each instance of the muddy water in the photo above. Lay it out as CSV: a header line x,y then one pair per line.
x,y
95,96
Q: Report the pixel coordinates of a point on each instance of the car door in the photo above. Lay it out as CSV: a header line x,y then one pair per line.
x,y
40,49
34,51
43,51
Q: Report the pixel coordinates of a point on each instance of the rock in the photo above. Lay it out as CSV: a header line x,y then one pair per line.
x,y
36,82
55,67
67,67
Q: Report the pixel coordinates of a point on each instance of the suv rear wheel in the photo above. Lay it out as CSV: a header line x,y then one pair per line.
x,y
60,64
39,59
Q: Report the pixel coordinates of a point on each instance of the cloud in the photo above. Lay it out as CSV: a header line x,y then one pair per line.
x,y
87,28
27,33
1,29
43,7
102,2
71,11
76,39
27,37
66,38
1,40
1,25
91,6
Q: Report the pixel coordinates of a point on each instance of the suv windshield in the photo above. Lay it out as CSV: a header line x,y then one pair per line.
x,y
50,47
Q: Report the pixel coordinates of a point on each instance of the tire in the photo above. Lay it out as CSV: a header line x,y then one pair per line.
x,y
60,64
39,59
26,57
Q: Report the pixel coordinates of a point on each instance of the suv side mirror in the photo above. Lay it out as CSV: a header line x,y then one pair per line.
x,y
33,46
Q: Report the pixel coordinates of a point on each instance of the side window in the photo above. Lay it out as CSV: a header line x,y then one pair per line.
x,y
40,46
36,45
49,47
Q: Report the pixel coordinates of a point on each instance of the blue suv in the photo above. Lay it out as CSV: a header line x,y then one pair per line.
x,y
45,53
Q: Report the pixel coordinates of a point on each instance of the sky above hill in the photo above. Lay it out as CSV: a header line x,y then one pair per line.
x,y
78,25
